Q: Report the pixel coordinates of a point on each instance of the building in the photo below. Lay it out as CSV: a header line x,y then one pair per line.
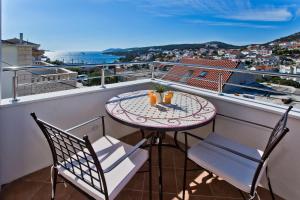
x,y
46,80
290,70
266,68
17,52
208,78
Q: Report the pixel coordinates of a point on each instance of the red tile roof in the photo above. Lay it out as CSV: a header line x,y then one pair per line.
x,y
264,67
177,72
295,46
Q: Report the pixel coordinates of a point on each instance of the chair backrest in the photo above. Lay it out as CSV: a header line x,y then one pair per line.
x,y
279,131
74,154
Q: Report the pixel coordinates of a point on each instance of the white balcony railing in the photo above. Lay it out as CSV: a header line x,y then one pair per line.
x,y
153,70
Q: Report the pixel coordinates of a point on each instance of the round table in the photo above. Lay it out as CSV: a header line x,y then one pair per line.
x,y
185,112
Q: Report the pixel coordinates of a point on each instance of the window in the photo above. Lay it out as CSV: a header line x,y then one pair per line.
x,y
187,76
203,74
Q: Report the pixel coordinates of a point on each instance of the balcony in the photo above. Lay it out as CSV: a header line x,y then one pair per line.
x,y
25,156
202,185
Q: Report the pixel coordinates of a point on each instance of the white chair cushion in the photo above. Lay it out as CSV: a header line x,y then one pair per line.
x,y
109,150
235,169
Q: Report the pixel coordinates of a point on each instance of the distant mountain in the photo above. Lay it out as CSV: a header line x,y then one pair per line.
x,y
222,45
141,50
113,50
295,36
212,44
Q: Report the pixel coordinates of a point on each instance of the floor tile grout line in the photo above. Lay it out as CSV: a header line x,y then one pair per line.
x,y
195,195
134,190
143,188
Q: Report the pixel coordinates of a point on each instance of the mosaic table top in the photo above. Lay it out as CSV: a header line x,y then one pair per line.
x,y
186,111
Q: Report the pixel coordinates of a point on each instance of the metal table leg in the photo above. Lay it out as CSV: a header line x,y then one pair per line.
x,y
160,138
142,133
158,141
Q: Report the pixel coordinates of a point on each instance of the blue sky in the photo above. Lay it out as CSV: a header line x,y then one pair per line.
x,y
100,24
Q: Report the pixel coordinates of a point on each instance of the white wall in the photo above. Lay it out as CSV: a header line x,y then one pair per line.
x,y
13,55
23,148
7,86
10,56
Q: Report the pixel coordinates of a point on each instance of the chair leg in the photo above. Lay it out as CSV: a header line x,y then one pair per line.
x,y
251,197
175,139
214,125
54,174
258,197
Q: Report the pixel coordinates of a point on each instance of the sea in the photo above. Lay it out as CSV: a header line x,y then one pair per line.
x,y
82,57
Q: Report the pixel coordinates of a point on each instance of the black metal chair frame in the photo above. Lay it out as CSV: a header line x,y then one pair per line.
x,y
278,132
73,153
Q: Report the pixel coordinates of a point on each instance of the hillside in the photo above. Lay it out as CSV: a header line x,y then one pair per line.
x,y
141,50
213,44
295,36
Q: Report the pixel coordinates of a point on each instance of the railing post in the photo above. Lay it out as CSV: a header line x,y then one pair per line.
x,y
15,86
103,76
1,69
220,83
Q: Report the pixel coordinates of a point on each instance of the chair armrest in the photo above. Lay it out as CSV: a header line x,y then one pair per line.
x,y
84,123
225,148
136,147
248,122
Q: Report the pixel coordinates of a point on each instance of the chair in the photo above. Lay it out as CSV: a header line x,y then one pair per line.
x,y
239,165
100,169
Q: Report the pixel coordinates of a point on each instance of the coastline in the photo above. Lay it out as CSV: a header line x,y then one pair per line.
x,y
81,57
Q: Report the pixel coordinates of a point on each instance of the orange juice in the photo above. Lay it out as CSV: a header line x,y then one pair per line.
x,y
168,99
150,92
152,98
171,93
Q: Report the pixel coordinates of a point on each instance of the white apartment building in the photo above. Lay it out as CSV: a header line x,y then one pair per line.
x,y
17,52
290,70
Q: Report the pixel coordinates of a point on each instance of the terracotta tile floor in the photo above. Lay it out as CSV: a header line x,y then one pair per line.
x,y
202,186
